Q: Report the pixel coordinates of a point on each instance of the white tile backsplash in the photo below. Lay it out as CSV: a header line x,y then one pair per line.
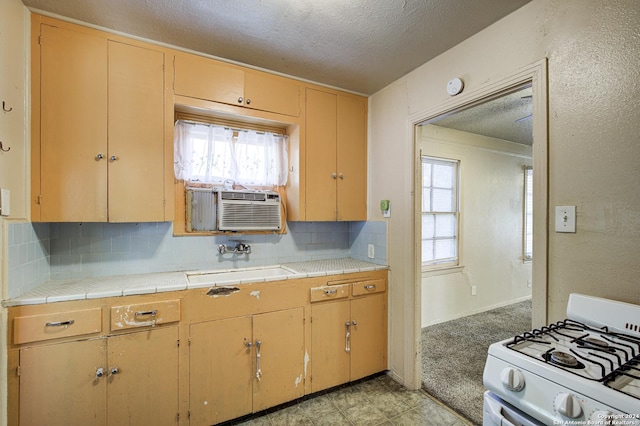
x,y
39,252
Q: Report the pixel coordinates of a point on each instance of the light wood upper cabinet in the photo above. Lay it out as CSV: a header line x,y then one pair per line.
x,y
98,148
135,153
72,182
336,157
351,158
203,78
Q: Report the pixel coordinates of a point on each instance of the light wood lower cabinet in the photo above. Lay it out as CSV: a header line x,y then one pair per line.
x,y
245,364
59,386
192,357
348,340
128,379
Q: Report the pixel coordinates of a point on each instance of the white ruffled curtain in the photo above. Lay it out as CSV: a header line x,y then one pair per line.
x,y
211,153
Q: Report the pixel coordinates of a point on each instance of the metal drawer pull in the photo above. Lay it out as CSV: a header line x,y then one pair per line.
x,y
59,323
258,369
144,313
370,287
347,336
330,292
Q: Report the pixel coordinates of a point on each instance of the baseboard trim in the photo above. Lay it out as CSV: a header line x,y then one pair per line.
x,y
480,310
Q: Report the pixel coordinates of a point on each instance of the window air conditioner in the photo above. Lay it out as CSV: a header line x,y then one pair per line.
x,y
249,210
201,210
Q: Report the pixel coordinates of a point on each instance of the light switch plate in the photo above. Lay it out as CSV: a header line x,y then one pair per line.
x,y
565,218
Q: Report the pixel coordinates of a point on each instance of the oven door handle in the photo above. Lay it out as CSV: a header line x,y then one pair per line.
x,y
494,410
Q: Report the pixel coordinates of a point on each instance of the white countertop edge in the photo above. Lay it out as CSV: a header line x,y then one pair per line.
x,y
66,297
139,290
103,294
179,285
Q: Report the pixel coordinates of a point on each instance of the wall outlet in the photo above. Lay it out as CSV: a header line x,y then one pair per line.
x,y
473,290
5,202
371,251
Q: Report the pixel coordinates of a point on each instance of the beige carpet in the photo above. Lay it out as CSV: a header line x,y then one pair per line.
x,y
454,354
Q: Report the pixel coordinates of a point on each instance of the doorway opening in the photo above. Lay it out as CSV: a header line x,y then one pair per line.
x,y
495,261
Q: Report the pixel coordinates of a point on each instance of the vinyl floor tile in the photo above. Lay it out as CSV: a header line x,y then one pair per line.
x,y
376,401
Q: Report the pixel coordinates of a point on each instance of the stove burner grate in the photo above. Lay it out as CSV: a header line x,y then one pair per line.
x,y
562,359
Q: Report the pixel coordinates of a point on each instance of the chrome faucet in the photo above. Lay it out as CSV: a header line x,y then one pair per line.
x,y
240,248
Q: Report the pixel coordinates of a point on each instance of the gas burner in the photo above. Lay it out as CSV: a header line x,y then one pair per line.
x,y
593,343
562,359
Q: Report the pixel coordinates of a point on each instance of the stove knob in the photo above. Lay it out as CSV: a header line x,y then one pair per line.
x,y
568,405
601,417
512,379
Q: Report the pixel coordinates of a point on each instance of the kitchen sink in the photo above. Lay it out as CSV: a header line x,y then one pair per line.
x,y
239,276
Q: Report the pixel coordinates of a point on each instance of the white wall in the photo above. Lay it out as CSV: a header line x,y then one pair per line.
x,y
13,134
594,152
491,220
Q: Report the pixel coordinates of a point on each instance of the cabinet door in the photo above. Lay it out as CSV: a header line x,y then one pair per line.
x,y
59,386
203,78
271,93
320,165
144,390
136,134
73,82
279,368
351,158
369,335
329,356
220,370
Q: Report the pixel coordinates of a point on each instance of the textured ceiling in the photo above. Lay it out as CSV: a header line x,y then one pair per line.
x,y
357,45
508,117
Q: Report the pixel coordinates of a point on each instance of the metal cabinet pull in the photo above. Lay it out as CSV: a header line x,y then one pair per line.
x,y
99,156
59,323
115,370
248,101
370,287
341,176
330,292
347,336
334,175
258,369
113,158
240,99
99,372
152,314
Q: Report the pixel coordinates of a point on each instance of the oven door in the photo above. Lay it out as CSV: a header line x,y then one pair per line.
x,y
497,412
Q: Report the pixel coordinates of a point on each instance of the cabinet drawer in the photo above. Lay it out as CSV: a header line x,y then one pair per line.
x,y
369,287
145,314
60,324
327,292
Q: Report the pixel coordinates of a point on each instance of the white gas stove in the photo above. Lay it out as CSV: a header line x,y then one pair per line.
x,y
584,370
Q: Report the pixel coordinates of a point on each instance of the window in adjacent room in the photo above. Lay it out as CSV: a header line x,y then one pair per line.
x,y
527,246
439,212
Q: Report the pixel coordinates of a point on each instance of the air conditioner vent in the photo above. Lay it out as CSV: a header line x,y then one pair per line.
x,y
201,210
249,210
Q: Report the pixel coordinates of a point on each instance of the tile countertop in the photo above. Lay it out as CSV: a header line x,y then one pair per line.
x,y
126,285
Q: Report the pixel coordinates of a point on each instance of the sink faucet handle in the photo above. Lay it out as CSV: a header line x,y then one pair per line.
x,y
222,249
